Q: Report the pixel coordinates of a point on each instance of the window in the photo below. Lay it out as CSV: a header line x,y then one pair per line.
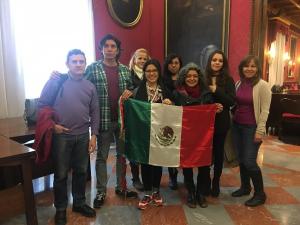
x,y
45,31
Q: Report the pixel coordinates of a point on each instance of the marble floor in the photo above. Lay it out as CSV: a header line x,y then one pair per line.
x,y
281,171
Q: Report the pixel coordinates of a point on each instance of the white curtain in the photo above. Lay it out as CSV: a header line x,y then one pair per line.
x,y
276,65
36,36
12,93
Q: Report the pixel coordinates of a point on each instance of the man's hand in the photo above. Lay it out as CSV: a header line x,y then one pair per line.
x,y
59,129
92,144
126,94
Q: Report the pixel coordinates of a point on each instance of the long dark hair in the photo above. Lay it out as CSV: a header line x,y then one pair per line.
x,y
245,62
168,60
156,63
224,72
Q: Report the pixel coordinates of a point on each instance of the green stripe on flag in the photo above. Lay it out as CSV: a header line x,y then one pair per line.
x,y
137,141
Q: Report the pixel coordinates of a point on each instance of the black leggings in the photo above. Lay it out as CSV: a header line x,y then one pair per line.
x,y
151,176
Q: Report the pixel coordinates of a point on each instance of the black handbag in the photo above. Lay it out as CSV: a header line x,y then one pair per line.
x,y
30,112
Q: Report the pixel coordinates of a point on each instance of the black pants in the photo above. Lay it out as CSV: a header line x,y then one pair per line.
x,y
218,153
151,176
203,179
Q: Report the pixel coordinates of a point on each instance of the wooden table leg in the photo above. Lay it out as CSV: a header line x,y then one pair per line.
x,y
30,208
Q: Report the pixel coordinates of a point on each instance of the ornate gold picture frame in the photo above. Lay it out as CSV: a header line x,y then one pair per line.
x,y
126,12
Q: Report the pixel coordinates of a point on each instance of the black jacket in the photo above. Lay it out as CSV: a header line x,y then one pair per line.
x,y
140,93
226,96
182,99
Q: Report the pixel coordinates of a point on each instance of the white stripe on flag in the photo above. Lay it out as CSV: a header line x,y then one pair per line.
x,y
165,135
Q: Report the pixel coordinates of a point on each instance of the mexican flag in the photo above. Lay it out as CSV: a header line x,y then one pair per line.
x,y
167,135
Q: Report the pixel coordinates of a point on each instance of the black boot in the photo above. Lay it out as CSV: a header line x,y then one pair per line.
x,y
190,186
173,178
215,190
136,182
191,199
259,196
245,188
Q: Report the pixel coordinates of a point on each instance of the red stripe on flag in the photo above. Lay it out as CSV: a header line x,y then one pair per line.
x,y
197,135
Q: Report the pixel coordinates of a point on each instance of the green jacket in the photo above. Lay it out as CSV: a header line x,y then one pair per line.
x,y
96,74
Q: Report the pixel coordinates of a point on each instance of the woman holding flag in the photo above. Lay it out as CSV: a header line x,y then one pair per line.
x,y
152,90
136,65
191,90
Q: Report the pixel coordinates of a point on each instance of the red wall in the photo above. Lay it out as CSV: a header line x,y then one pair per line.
x,y
149,32
239,33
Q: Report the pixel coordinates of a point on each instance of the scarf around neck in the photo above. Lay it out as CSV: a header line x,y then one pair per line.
x,y
138,71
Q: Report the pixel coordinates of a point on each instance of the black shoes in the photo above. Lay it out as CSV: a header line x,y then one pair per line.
x,y
191,200
173,185
60,217
99,200
256,200
202,201
126,193
85,210
241,192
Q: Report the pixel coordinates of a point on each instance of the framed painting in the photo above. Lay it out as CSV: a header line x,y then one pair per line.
x,y
126,12
193,25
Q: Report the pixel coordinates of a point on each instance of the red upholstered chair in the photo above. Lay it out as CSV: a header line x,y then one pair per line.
x,y
289,131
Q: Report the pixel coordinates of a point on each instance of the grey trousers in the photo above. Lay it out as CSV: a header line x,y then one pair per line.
x,y
104,140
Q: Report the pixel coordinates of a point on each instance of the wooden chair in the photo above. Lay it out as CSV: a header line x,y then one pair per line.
x,y
289,131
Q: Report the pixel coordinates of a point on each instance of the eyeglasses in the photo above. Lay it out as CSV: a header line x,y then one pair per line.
x,y
151,71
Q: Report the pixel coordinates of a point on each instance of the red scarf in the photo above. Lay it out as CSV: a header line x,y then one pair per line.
x,y
193,91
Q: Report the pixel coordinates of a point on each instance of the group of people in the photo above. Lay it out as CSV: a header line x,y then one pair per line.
x,y
90,98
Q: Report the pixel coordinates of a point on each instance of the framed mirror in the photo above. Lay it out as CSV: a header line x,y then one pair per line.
x,y
126,12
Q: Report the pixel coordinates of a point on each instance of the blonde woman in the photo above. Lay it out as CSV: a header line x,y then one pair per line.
x,y
136,64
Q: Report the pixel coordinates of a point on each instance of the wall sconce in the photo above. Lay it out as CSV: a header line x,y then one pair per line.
x,y
286,56
271,53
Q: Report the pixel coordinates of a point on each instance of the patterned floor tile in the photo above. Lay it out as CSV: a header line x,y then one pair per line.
x,y
250,216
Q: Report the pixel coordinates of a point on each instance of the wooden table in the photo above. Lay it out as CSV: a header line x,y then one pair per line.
x,y
14,153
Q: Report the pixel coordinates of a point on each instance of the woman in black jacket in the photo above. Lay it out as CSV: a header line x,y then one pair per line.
x,y
191,90
151,90
222,88
172,65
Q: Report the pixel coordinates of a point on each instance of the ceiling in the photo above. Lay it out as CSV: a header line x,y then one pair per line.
x,y
287,10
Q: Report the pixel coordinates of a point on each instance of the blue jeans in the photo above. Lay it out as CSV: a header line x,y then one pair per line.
x,y
247,149
70,152
104,140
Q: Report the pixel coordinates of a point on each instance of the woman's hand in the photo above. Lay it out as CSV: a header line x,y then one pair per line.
x,y
212,88
258,138
126,94
167,101
92,144
219,107
59,129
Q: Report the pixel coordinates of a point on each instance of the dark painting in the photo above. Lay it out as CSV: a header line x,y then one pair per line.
x,y
126,12
194,24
